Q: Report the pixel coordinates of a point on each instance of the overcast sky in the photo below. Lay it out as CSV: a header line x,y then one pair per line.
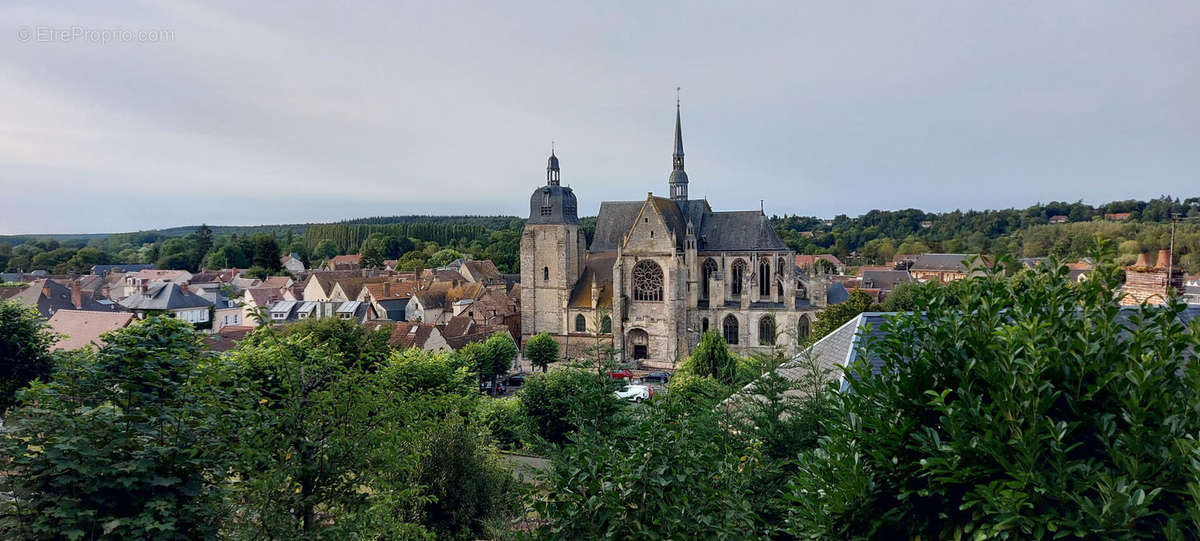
x,y
248,113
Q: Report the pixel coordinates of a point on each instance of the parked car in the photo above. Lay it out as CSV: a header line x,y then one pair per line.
x,y
634,393
620,374
656,377
515,380
486,388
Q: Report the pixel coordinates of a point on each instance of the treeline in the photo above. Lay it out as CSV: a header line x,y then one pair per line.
x,y
875,237
348,238
486,222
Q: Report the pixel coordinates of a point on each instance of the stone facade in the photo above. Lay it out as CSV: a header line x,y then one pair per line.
x,y
658,273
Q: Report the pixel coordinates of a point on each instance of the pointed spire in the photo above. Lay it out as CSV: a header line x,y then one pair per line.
x,y
678,178
552,172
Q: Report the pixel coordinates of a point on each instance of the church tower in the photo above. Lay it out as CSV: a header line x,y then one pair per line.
x,y
552,255
678,179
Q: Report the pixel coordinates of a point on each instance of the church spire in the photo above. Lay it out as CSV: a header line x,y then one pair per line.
x,y
552,173
678,179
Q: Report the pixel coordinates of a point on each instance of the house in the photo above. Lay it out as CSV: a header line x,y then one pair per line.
x,y
50,296
1117,216
82,328
884,280
424,336
171,299
103,270
1059,219
461,330
945,267
388,299
807,262
344,262
258,297
1151,284
482,272
283,311
227,338
319,285
292,263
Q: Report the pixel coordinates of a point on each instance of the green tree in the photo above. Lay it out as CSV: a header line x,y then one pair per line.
x,y
25,342
204,243
116,445
492,357
835,315
325,250
559,402
372,255
1038,411
541,350
444,257
711,357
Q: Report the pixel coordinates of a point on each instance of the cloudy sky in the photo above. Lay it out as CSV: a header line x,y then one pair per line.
x,y
249,113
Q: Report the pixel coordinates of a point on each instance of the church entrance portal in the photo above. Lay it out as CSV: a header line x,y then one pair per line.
x,y
641,344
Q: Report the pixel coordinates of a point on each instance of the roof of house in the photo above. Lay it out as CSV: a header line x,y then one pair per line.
x,y
408,334
277,281
164,296
805,261
168,275
944,262
884,279
103,270
481,271
81,328
264,296
346,258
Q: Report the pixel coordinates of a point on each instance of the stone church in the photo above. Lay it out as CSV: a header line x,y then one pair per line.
x,y
658,273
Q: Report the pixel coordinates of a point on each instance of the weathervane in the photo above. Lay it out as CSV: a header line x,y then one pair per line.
x,y
676,97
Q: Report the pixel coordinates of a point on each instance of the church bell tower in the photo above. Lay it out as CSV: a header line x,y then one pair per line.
x,y
552,255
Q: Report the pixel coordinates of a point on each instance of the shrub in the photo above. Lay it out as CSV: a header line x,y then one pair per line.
x,y
1024,408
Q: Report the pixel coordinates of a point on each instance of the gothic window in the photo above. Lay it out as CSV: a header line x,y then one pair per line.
x,y
780,265
606,325
766,331
730,329
580,324
647,281
545,274
738,272
706,271
802,329
764,277
801,291
779,289
704,325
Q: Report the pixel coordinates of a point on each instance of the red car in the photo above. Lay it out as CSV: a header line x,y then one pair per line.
x,y
620,374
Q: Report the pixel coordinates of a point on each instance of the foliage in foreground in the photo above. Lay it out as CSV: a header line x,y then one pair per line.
x,y
1023,408
25,342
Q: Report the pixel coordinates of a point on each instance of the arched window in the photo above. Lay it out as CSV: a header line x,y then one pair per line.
x,y
580,323
704,325
730,328
779,289
545,274
706,271
738,271
802,329
766,331
606,325
764,277
647,281
780,265
801,291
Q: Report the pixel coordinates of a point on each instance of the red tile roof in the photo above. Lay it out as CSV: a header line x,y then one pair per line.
x,y
82,327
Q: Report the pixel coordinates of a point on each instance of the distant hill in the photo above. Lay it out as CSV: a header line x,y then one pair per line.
x,y
487,222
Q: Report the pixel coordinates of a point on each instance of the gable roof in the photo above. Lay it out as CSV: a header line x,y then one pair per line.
x,y
81,328
346,259
409,335
884,279
598,270
943,262
805,261
164,296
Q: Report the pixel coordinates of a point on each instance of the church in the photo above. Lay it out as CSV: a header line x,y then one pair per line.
x,y
659,272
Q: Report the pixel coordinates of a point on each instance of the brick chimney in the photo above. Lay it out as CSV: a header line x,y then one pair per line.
x,y
144,286
76,295
387,289
1163,256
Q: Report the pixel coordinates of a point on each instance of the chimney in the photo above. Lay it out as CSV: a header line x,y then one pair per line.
x,y
1163,256
387,289
76,295
46,290
1143,261
105,292
144,286
183,288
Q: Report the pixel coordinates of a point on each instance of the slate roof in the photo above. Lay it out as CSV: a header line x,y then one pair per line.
x,y
83,327
886,280
164,296
103,270
715,231
943,262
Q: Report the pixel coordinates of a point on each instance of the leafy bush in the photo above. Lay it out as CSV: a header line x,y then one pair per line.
x,y
504,420
25,342
561,401
116,446
1024,408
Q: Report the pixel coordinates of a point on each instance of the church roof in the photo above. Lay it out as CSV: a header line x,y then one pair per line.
x,y
598,269
715,231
